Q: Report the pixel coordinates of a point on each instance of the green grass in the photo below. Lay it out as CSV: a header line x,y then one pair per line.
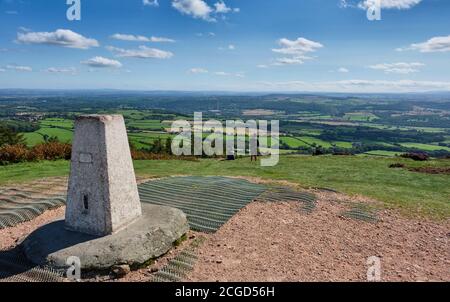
x,y
317,141
57,122
293,142
425,147
33,138
413,193
63,135
361,117
383,153
147,125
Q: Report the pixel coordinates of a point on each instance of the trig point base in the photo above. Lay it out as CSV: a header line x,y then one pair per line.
x,y
105,223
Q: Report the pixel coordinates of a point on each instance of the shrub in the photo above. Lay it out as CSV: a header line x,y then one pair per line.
x,y
397,165
13,154
50,151
417,156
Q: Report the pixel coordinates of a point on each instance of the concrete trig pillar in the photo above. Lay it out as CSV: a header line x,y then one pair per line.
x,y
102,195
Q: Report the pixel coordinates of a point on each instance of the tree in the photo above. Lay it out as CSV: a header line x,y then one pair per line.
x,y
9,137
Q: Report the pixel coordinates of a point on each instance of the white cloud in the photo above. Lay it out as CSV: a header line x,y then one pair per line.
x,y
143,52
231,47
60,37
389,4
2,70
228,74
435,44
197,70
295,51
11,12
343,70
150,2
262,66
195,8
101,62
199,9
19,68
221,7
400,68
69,70
135,38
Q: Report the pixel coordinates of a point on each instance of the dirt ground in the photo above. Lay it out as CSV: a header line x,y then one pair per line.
x,y
279,242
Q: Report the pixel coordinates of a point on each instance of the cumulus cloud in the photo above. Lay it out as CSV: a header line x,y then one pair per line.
x,y
343,70
150,2
221,7
60,37
69,70
390,4
400,68
19,68
197,70
195,8
435,44
199,9
101,62
295,51
143,52
136,38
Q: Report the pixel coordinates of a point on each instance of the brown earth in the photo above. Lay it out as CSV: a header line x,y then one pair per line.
x,y
279,242
431,170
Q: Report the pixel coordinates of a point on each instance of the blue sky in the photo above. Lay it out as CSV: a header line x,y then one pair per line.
x,y
232,45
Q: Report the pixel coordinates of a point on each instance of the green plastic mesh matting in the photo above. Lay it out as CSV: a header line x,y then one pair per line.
x,y
24,203
277,193
14,267
361,212
178,268
208,202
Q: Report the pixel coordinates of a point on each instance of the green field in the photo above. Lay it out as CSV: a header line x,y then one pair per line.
x,y
383,153
413,193
293,142
361,117
425,147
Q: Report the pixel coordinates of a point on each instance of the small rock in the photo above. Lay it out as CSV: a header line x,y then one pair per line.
x,y
153,270
120,271
219,261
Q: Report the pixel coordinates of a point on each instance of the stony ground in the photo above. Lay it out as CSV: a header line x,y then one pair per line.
x,y
280,242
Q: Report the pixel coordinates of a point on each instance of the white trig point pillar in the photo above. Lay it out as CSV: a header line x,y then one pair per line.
x,y
102,195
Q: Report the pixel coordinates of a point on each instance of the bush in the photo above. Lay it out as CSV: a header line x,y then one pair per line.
x,y
50,151
417,156
13,154
396,165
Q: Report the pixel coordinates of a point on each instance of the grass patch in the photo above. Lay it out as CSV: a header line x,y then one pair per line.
x,y
425,147
413,193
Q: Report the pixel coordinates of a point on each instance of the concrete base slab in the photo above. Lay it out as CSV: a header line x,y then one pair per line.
x,y
149,237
